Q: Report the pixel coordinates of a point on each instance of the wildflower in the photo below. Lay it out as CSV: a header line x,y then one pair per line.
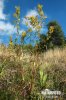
x,y
15,15
39,7
17,10
11,43
23,34
33,20
41,13
51,29
26,23
29,30
38,27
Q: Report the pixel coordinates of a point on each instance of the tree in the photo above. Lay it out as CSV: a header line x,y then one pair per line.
x,y
54,37
65,40
42,45
55,33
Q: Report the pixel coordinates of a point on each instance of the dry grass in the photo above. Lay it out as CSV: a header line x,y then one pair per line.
x,y
27,66
51,59
56,56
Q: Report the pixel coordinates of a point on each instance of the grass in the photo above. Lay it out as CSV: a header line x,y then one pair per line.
x,y
20,75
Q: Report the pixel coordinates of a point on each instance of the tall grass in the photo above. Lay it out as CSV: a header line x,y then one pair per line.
x,y
21,77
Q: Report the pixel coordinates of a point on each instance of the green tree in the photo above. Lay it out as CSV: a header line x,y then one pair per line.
x,y
42,45
55,33
54,37
65,40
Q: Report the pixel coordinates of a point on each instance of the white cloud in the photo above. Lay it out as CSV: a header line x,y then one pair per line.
x,y
6,28
2,15
32,13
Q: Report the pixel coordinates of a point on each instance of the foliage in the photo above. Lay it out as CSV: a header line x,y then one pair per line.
x,y
43,78
42,45
53,38
56,34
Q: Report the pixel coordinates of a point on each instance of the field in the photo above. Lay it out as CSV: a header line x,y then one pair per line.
x,y
23,76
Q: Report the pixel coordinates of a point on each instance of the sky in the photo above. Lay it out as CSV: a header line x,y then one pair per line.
x,y
53,9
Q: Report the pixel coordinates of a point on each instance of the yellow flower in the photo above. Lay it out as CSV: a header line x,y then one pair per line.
x,y
39,7
23,34
17,9
41,13
15,15
17,12
33,21
26,23
38,27
51,29
11,43
29,30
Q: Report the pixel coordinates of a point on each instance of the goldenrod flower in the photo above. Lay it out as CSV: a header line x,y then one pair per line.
x,y
41,13
29,30
15,15
23,34
26,23
38,27
51,29
11,43
39,7
34,21
17,10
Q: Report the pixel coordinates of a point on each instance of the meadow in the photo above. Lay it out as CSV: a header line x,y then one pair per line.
x,y
22,77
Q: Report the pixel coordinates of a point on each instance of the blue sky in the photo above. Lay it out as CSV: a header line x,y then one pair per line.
x,y
53,9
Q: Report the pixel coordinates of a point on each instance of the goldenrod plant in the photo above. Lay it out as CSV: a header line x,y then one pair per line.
x,y
36,23
25,72
17,18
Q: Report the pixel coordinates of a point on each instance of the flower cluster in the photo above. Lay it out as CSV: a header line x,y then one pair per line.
x,y
17,13
40,11
24,34
51,29
11,42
